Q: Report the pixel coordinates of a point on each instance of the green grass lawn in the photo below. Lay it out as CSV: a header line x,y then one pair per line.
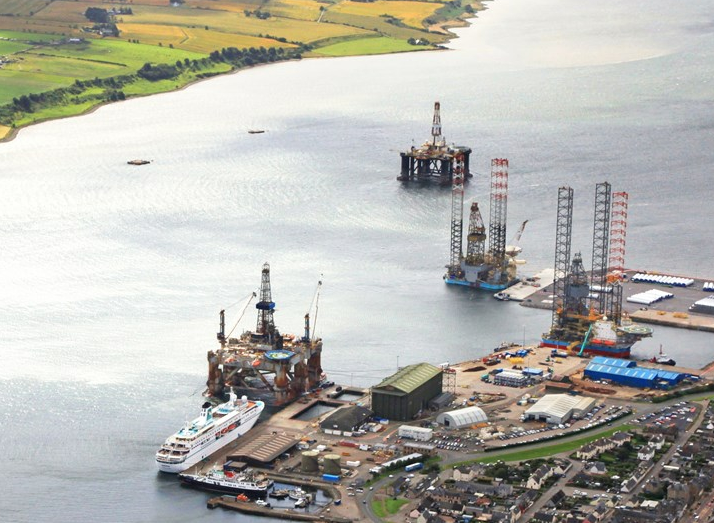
x,y
364,46
549,450
388,506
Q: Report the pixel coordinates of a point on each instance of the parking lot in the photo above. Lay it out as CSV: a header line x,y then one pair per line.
x,y
680,414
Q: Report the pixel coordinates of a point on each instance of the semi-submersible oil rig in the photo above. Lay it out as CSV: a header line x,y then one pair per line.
x,y
433,160
264,364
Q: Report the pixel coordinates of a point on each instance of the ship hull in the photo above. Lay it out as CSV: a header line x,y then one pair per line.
x,y
482,285
611,351
223,486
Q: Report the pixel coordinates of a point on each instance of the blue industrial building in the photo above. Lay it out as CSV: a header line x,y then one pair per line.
x,y
626,372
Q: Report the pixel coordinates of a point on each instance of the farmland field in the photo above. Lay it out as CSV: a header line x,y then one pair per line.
x,y
70,63
21,7
410,13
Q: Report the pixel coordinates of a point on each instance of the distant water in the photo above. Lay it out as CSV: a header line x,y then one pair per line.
x,y
112,275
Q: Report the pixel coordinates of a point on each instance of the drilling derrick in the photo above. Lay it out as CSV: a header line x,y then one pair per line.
x,y
618,235
476,239
601,242
265,328
497,220
618,232
577,290
563,239
457,219
436,126
434,160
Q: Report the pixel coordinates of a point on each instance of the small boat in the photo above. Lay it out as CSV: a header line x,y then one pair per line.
x,y
279,493
255,131
503,296
138,162
300,503
297,493
242,497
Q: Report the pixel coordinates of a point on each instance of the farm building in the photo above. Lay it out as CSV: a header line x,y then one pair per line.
x,y
559,408
345,420
466,417
402,395
632,375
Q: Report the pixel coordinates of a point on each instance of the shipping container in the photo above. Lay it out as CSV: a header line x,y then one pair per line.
x,y
332,478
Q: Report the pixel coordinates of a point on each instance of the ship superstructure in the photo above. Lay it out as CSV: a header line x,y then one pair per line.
x,y
264,364
587,308
211,431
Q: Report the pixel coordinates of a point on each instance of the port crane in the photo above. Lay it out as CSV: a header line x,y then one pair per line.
x,y
513,248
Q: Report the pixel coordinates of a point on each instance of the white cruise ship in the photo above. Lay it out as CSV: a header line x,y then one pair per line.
x,y
210,432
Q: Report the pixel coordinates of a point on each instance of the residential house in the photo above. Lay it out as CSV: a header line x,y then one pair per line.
x,y
595,467
646,453
656,441
538,478
587,452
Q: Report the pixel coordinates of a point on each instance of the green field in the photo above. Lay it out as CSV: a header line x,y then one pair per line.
x,y
364,46
7,47
57,62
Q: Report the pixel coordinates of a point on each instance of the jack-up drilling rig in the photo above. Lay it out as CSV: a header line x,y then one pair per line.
x,y
587,311
493,269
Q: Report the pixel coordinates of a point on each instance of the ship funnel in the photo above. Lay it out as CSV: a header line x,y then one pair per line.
x,y
206,412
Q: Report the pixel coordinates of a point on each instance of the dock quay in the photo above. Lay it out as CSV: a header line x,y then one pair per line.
x,y
674,311
525,288
230,502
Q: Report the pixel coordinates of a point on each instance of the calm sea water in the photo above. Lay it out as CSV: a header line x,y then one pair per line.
x,y
112,276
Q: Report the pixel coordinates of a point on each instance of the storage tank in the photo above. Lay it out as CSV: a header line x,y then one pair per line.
x,y
331,464
309,462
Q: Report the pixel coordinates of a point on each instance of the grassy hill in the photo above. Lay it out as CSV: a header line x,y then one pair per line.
x,y
63,57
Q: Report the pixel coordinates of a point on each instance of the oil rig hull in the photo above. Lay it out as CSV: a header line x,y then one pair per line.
x,y
478,284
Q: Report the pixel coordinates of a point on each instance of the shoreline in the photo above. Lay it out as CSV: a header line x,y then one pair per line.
x,y
444,26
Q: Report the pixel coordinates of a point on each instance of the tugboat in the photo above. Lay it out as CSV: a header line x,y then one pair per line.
x,y
662,358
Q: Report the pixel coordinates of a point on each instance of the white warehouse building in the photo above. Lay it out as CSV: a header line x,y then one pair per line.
x,y
456,419
559,408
